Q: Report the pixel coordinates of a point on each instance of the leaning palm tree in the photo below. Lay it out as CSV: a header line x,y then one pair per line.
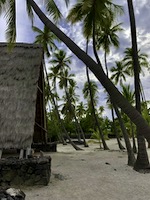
x,y
97,69
98,72
93,14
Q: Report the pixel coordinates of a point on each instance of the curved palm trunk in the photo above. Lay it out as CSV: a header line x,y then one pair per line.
x,y
95,116
121,147
106,67
97,70
142,157
93,108
131,157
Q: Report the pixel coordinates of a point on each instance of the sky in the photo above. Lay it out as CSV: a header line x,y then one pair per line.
x,y
142,14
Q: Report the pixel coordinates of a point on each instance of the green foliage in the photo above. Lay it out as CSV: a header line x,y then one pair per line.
x,y
53,127
96,135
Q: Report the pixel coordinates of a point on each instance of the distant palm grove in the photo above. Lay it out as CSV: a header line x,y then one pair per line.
x,y
68,117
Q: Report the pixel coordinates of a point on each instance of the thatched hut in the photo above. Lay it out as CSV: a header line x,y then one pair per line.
x,y
22,108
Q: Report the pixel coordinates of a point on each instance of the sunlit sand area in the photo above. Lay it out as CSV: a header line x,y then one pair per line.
x,y
91,174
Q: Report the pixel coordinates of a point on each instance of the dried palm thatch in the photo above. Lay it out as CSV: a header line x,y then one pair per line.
x,y
19,75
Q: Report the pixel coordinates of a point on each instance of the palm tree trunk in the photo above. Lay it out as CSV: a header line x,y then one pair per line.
x,y
77,123
133,138
78,134
121,147
93,107
81,131
142,157
142,161
131,157
105,58
97,70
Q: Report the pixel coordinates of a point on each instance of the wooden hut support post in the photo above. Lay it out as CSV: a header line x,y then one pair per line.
x,y
21,154
28,152
1,151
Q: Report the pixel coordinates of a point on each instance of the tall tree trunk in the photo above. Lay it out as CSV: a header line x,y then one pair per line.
x,y
81,131
131,157
121,147
93,108
133,138
77,123
97,70
142,157
106,67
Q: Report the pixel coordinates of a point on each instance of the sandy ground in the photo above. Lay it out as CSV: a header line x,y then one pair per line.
x,y
92,174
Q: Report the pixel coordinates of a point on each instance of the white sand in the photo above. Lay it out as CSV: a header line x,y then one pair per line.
x,y
84,175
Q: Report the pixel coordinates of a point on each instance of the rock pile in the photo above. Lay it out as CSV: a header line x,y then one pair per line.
x,y
32,171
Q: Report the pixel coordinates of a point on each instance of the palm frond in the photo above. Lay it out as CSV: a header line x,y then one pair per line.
x,y
11,22
76,13
2,6
53,10
36,29
29,11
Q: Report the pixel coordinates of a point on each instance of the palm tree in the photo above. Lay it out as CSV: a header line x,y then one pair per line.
x,y
128,61
119,73
129,95
61,124
143,62
80,110
92,14
130,152
65,82
9,7
106,37
53,75
113,107
46,38
90,93
97,70
60,61
142,157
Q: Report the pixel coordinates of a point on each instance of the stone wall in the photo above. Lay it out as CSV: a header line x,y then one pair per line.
x,y
31,171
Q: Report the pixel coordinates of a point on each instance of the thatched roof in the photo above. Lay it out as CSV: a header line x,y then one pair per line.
x,y
19,74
